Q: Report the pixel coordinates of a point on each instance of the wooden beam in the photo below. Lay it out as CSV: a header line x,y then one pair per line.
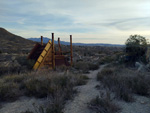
x,y
53,51
42,40
71,54
59,47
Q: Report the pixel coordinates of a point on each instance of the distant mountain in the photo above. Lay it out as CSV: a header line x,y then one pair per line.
x,y
45,40
11,43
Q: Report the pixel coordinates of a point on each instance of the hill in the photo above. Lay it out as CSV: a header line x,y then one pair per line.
x,y
11,43
45,40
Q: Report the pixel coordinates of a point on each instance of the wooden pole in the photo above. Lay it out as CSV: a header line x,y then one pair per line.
x,y
59,46
71,54
53,51
42,40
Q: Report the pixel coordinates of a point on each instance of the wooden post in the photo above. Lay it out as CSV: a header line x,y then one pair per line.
x,y
71,54
42,40
59,48
53,52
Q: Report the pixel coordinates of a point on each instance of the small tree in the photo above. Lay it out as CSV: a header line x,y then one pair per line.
x,y
136,47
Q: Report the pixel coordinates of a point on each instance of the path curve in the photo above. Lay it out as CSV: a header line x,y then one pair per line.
x,y
86,94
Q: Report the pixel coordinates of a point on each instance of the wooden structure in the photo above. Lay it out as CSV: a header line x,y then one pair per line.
x,y
46,56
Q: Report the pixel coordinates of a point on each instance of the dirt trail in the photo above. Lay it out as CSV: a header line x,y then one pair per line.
x,y
86,93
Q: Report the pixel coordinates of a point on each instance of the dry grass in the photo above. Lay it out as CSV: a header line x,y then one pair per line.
x,y
103,105
124,82
57,87
85,66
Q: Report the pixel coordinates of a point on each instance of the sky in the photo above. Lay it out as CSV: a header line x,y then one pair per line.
x,y
89,21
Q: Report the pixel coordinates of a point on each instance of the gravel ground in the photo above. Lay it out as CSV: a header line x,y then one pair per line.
x,y
141,105
86,94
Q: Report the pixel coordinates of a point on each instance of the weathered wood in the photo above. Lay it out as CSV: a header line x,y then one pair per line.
x,y
71,55
53,51
46,52
45,55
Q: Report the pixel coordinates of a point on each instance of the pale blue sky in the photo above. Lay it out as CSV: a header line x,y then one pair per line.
x,y
89,21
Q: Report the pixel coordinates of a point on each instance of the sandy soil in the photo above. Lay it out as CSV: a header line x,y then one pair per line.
x,y
141,105
86,93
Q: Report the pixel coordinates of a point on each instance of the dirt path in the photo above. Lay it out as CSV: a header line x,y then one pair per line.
x,y
86,93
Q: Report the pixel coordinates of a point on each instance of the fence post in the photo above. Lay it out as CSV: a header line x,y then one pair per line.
x,y
53,52
71,54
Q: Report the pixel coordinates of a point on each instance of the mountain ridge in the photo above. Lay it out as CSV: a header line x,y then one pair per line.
x,y
45,40
11,43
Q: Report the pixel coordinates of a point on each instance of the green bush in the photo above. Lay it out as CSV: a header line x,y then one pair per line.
x,y
136,47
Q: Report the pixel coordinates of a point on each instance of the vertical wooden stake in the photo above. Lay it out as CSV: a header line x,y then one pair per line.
x,y
53,51
42,40
71,54
59,48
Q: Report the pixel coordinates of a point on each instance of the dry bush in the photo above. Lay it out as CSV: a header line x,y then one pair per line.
x,y
8,91
93,66
85,66
57,87
106,59
103,105
81,65
123,82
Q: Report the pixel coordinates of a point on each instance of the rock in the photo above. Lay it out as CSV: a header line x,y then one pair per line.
x,y
141,67
148,66
137,64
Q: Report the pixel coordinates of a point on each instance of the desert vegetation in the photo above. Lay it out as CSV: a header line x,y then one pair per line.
x,y
57,87
103,104
126,76
124,82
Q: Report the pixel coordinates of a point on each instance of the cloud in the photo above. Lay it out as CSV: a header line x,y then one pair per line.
x,y
91,20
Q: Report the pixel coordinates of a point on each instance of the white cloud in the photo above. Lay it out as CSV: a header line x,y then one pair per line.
x,y
109,21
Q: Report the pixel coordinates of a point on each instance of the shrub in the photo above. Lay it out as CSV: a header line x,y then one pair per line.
x,y
85,66
103,105
23,61
115,83
81,65
136,47
14,78
140,85
8,91
57,87
37,88
123,82
106,59
93,66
